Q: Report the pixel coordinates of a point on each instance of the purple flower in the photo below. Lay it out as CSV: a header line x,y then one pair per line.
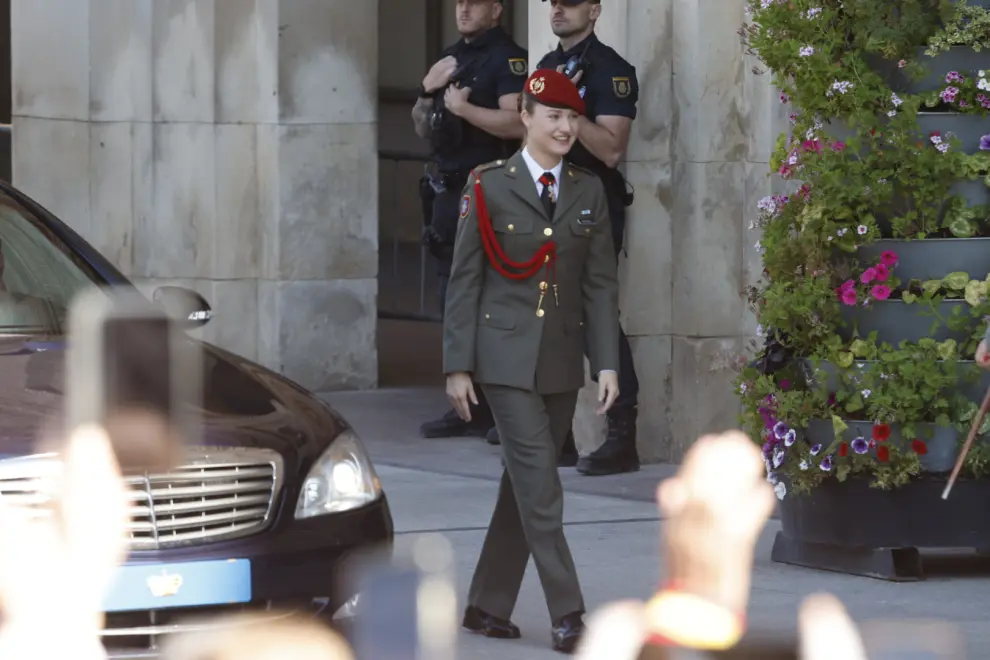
x,y
815,450
953,76
778,457
790,437
985,143
860,445
779,429
768,448
826,464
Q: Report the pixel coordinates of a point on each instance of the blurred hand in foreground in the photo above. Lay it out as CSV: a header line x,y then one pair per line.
x,y
250,637
57,560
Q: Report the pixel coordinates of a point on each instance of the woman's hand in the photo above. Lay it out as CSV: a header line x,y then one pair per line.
x,y
460,391
608,390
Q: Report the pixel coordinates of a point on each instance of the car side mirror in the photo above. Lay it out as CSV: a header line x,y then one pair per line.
x,y
184,305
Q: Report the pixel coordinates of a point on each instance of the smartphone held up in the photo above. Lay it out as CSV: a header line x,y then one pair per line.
x,y
131,370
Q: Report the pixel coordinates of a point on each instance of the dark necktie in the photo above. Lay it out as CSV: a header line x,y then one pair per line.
x,y
547,197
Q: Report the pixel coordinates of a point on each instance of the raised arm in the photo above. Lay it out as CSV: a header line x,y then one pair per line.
x,y
460,323
600,287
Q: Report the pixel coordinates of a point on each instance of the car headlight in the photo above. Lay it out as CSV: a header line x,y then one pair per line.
x,y
342,479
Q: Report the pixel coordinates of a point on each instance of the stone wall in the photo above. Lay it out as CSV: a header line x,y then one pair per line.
x,y
227,145
698,161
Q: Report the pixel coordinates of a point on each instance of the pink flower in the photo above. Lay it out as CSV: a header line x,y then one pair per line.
x,y
848,285
882,272
902,64
880,292
838,146
888,258
848,297
868,275
812,145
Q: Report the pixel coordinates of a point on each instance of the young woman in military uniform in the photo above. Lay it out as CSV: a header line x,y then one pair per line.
x,y
533,286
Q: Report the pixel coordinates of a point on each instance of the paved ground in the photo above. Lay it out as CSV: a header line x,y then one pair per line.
x,y
449,486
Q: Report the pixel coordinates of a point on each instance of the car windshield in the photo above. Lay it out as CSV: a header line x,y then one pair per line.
x,y
39,274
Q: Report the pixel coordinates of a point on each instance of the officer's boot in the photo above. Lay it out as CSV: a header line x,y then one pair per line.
x,y
618,453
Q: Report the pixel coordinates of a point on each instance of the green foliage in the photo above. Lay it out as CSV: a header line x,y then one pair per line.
x,y
859,168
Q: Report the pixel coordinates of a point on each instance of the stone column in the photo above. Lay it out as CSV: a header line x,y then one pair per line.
x,y
227,145
697,159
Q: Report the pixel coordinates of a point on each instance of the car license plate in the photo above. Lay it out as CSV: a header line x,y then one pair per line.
x,y
188,584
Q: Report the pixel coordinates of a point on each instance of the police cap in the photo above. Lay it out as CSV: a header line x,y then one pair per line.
x,y
575,3
552,88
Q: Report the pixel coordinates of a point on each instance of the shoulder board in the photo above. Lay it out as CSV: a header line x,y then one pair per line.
x,y
485,167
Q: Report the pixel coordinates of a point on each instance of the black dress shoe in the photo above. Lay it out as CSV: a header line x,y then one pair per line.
x,y
492,436
479,621
567,633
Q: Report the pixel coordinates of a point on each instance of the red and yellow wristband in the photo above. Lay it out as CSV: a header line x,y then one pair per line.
x,y
682,619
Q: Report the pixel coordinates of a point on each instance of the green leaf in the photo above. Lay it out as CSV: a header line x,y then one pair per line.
x,y
975,290
840,427
931,286
962,228
844,359
909,297
947,349
859,348
842,471
956,281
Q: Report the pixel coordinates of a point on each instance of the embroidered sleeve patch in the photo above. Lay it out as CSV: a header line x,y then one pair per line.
x,y
465,206
622,87
518,66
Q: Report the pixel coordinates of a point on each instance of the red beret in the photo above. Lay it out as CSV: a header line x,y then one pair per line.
x,y
552,88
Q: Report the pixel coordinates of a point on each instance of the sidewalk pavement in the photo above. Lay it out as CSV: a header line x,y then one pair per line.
x,y
449,486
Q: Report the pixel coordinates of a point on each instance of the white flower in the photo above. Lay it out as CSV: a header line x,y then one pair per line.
x,y
896,100
810,135
982,73
943,147
759,330
780,489
866,393
772,478
778,457
803,465
841,86
936,139
790,437
814,11
891,113
841,232
862,229
983,84
792,160
742,388
807,51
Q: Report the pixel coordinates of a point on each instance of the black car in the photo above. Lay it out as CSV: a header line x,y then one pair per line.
x,y
261,511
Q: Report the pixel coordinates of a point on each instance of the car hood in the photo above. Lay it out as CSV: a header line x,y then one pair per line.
x,y
244,405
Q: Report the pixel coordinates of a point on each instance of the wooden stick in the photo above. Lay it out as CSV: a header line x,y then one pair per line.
x,y
977,423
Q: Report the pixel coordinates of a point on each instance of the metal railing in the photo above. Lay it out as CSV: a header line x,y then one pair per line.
x,y
390,286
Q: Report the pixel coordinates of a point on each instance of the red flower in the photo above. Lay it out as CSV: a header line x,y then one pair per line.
x,y
883,454
919,447
881,432
843,449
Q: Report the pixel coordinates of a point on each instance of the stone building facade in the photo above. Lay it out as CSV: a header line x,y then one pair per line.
x,y
231,146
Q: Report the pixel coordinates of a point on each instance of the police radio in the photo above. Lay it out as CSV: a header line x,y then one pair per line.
x,y
576,64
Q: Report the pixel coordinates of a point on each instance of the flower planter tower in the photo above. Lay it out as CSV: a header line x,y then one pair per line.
x,y
877,279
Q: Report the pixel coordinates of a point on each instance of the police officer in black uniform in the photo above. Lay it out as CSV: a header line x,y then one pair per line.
x,y
468,109
610,90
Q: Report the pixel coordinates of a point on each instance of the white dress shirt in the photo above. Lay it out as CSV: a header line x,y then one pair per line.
x,y
536,171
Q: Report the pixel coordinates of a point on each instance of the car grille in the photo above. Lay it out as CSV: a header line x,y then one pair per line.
x,y
216,494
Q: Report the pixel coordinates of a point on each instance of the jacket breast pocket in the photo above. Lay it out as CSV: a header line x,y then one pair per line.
x,y
584,226
508,225
498,318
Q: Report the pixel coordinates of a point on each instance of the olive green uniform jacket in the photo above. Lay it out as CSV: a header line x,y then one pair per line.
x,y
498,329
